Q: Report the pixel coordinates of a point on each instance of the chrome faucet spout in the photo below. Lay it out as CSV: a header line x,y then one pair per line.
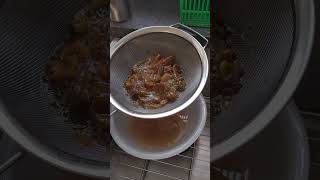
x,y
119,10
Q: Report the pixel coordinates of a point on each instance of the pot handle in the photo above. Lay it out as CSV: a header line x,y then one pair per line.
x,y
203,41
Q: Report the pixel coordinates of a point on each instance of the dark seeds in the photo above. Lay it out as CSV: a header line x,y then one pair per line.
x,y
226,69
78,75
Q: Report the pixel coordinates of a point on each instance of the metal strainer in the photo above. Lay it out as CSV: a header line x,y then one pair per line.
x,y
166,40
273,40
29,33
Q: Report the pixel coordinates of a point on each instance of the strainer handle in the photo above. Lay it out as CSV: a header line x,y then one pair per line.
x,y
113,110
202,40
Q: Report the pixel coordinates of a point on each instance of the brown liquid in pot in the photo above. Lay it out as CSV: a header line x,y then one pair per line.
x,y
158,133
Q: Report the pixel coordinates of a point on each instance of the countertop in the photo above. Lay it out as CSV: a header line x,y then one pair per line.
x,y
150,13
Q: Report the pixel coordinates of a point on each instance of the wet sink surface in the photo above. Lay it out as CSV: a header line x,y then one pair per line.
x,y
150,13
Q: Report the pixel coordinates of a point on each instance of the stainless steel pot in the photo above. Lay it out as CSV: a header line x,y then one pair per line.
x,y
197,115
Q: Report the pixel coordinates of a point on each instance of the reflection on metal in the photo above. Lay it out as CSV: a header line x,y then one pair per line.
x,y
233,175
10,162
119,10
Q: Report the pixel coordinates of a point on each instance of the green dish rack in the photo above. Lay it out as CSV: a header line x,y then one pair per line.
x,y
195,13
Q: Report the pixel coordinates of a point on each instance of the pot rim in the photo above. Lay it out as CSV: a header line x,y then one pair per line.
x,y
169,153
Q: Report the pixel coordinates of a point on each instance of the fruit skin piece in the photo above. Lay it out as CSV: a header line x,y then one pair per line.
x,y
154,82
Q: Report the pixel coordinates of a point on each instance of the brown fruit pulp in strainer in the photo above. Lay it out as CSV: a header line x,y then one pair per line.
x,y
155,82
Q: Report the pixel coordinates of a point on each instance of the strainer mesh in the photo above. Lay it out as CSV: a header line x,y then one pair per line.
x,y
29,33
142,47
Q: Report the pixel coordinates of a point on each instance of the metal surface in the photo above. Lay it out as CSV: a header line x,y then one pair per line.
x,y
232,175
119,10
151,13
26,42
195,116
287,159
306,96
16,164
312,123
202,40
190,56
7,164
192,164
273,49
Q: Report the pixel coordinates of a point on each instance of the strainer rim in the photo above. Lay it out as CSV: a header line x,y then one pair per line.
x,y
171,30
11,127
